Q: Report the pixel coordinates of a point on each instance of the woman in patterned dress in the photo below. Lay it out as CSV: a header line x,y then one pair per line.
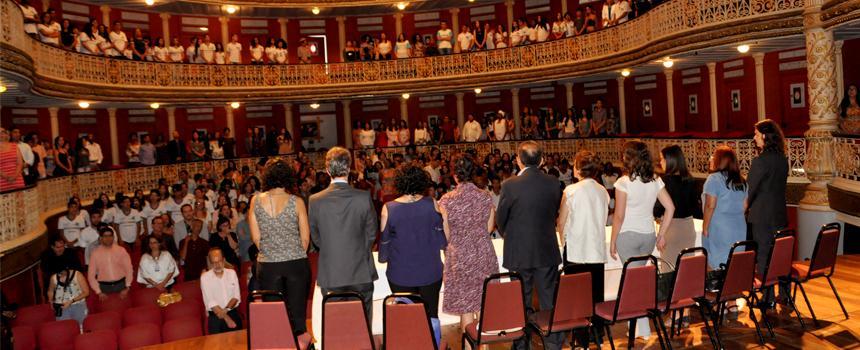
x,y
468,218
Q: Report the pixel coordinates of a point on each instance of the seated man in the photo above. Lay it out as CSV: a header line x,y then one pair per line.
x,y
221,296
110,269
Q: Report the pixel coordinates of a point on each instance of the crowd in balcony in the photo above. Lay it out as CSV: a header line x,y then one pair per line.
x,y
112,40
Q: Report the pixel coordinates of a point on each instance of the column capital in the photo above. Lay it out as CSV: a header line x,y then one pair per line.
x,y
668,73
340,19
170,110
515,91
111,111
283,20
568,85
759,58
288,105
454,11
104,8
398,15
164,16
53,111
346,103
460,95
837,45
712,67
223,19
620,80
509,3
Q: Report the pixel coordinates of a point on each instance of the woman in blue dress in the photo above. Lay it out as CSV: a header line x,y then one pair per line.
x,y
724,201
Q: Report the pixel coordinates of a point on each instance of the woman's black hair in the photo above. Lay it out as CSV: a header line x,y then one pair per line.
x,y
676,164
774,140
637,161
411,180
846,101
278,174
464,169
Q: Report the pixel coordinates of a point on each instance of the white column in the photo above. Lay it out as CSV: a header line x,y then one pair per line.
x,y
114,139
759,84
347,124
288,119
230,120
55,122
670,100
569,93
455,25
622,106
165,27
563,6
461,110
171,122
46,5
712,84
840,73
404,109
398,25
283,23
341,36
105,9
225,31
509,5
515,105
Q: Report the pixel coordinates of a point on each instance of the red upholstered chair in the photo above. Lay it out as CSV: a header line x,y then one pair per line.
x,y
404,323
24,338
139,335
344,324
182,328
269,324
113,302
637,297
573,307
108,320
503,312
778,269
823,264
144,296
34,315
58,334
737,283
688,289
98,340
183,309
143,314
189,290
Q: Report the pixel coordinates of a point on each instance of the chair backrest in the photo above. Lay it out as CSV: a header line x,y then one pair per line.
x,y
184,308
691,270
182,328
33,315
139,335
740,271
189,290
573,299
58,334
269,322
638,290
25,338
108,320
99,340
404,316
344,323
113,302
142,314
779,260
144,296
826,248
502,305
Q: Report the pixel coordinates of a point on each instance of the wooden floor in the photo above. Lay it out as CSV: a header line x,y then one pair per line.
x,y
835,332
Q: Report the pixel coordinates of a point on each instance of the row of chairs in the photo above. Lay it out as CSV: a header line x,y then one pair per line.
x,y
63,335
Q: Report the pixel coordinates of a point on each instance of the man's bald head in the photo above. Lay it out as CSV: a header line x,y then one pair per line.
x,y
530,154
216,260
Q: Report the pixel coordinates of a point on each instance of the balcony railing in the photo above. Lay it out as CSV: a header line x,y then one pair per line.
x,y
846,154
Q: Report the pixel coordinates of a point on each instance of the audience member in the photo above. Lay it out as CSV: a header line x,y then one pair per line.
x,y
157,268
193,250
682,190
110,270
68,292
221,294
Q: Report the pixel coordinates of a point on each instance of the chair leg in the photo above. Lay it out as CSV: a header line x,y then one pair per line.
x,y
808,305
655,321
609,336
720,313
672,325
631,334
707,325
594,334
763,309
755,321
796,311
661,331
832,286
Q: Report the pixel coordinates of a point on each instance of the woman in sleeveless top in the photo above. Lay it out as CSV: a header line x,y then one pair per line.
x,y
11,163
279,228
68,292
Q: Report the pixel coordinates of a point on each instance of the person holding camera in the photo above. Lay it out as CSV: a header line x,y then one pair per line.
x,y
68,291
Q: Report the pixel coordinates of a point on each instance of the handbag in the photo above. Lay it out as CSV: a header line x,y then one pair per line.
x,y
165,299
664,280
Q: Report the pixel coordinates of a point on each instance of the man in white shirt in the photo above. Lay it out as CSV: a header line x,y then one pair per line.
x,y
234,50
31,17
606,18
89,238
443,39
96,155
433,169
207,50
620,10
127,222
25,149
471,130
173,206
119,42
49,33
500,127
221,296
464,39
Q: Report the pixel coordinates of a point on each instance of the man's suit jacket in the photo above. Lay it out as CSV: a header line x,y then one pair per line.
x,y
767,181
528,207
343,226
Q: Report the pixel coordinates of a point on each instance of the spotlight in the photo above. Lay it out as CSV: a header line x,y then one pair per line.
x,y
2,89
625,72
234,105
478,91
149,2
154,105
743,48
204,29
84,104
315,105
231,9
668,63
401,5
315,10
405,96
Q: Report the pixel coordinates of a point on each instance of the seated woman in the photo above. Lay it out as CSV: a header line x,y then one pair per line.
x,y
157,268
68,291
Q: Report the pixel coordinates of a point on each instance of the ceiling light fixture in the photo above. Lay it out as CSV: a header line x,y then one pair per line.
x,y
231,9
149,2
154,105
743,48
625,72
204,29
401,5
478,90
405,96
234,105
668,63
2,89
315,10
315,105
84,104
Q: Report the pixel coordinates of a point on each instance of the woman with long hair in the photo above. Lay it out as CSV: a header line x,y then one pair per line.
x,y
850,111
402,48
176,53
682,188
157,267
62,158
279,227
192,53
257,51
11,163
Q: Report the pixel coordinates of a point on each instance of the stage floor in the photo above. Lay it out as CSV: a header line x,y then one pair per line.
x,y
835,331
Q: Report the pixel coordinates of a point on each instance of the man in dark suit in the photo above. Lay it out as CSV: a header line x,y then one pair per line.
x,y
343,227
526,218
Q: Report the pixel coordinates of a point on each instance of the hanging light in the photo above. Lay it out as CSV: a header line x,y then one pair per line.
x,y
154,105
668,63
315,105
149,2
234,105
405,96
315,10
478,90
401,5
231,9
625,72
84,104
743,48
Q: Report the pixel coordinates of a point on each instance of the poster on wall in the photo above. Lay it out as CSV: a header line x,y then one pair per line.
x,y
798,95
375,123
432,119
736,100
311,129
693,102
646,107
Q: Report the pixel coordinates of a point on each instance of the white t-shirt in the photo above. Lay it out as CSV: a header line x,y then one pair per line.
x,y
31,13
161,53
220,57
175,209
52,28
72,228
148,213
89,240
175,53
500,127
207,53
541,33
128,224
401,49
605,16
443,38
281,55
435,174
157,269
620,10
587,209
465,40
120,43
270,53
471,131
516,37
257,52
641,197
234,52
85,43
421,136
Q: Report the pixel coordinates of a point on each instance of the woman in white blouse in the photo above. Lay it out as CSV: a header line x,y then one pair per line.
x,y
49,30
383,48
87,40
367,136
403,134
206,51
501,37
402,48
422,137
220,55
72,223
176,52
257,51
192,53
392,133
157,267
281,52
270,50
160,51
